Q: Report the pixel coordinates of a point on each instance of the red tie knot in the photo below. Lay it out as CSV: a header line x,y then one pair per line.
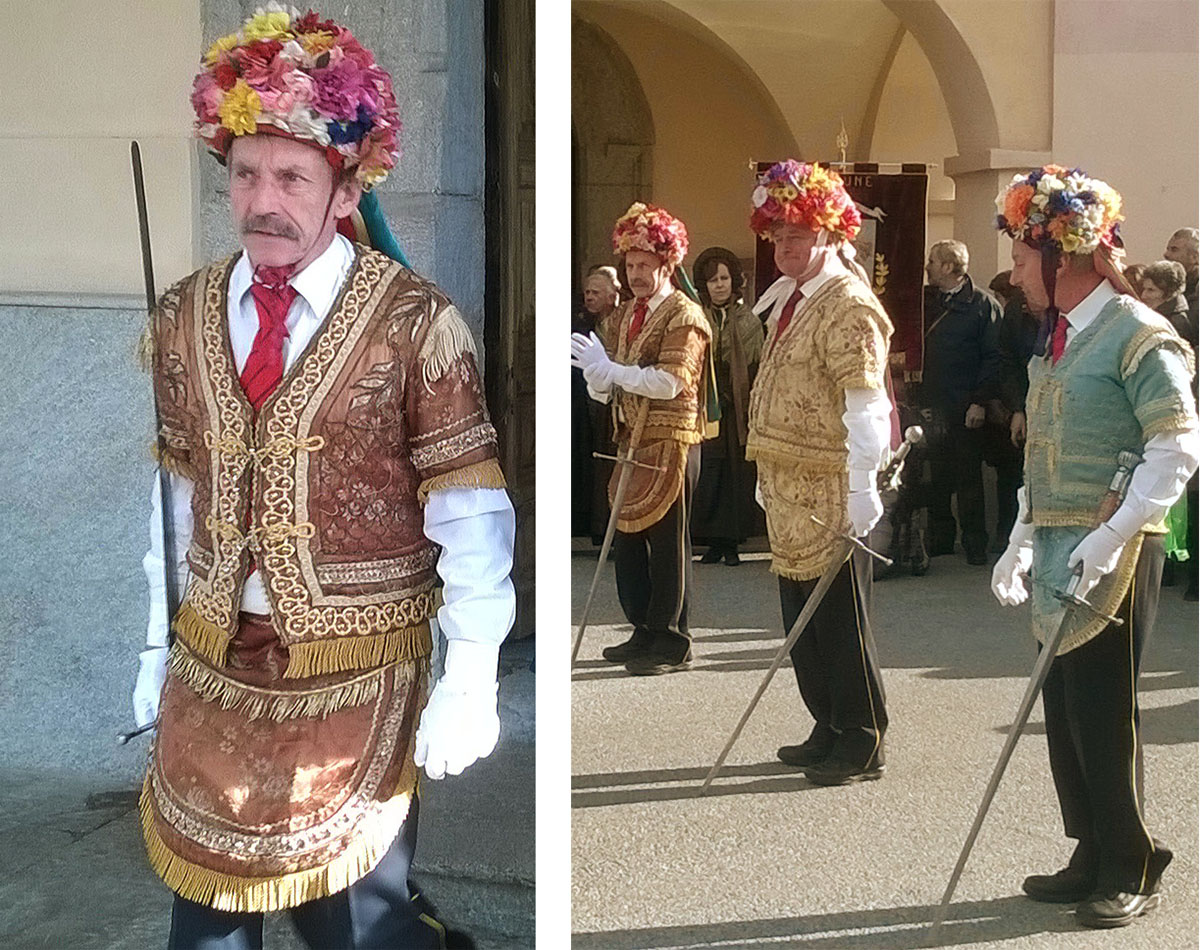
x,y
273,277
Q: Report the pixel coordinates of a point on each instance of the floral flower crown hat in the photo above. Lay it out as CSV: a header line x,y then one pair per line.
x,y
647,228
303,78
808,196
1054,208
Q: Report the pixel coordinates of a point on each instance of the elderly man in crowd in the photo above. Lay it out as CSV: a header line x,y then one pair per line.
x,y
1184,248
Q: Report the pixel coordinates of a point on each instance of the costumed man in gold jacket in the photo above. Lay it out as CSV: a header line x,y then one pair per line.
x,y
1115,377
323,422
819,429
655,379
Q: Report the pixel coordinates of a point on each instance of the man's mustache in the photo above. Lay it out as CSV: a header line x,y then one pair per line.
x,y
270,224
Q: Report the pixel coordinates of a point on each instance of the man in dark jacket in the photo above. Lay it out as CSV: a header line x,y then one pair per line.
x,y
1018,341
961,374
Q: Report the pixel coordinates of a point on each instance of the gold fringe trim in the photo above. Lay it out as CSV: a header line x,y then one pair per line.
x,y
1122,577
236,894
358,652
1177,420
1150,338
274,704
448,338
202,636
485,474
172,463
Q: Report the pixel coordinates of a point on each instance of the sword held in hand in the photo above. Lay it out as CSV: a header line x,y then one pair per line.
x,y
844,546
626,463
1126,462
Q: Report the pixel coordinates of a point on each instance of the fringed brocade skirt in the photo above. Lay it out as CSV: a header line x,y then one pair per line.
x,y
264,792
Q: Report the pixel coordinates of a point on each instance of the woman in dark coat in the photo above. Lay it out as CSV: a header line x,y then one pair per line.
x,y
724,513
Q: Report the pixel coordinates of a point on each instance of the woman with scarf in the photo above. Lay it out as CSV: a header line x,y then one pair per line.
x,y
724,513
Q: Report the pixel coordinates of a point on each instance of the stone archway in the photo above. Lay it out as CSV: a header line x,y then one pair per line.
x,y
612,142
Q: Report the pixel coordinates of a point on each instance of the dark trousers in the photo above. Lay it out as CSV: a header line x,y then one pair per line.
x,y
654,573
1090,700
377,911
834,658
956,469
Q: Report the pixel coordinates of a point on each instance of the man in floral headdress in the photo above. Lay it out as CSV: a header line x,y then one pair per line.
x,y
655,375
819,429
1115,377
323,423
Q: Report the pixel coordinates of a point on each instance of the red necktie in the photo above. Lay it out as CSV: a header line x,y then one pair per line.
x,y
639,317
1059,341
789,308
273,297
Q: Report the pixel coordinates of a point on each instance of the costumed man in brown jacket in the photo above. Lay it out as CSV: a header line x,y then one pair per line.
x,y
655,379
323,422
819,430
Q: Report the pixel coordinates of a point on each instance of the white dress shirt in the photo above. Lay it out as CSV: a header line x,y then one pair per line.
x,y
474,527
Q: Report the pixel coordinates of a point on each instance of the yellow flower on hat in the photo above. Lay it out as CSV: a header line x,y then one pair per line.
x,y
270,24
240,109
316,43
223,45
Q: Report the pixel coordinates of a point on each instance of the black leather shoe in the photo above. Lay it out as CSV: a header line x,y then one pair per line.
x,y
657,665
839,770
731,558
637,645
814,750
1068,886
1115,909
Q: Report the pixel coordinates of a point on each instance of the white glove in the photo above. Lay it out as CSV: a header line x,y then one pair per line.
x,y
460,723
864,506
758,496
587,351
1008,586
599,376
1098,552
152,673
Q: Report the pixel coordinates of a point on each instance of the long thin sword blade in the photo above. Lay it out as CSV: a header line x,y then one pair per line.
x,y
1036,680
810,608
609,532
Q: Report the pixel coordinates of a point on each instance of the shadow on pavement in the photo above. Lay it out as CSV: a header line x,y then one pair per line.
x,y
763,777
893,928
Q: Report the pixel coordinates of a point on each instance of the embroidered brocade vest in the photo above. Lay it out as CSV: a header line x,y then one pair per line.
x,y
1083,411
837,341
674,338
325,488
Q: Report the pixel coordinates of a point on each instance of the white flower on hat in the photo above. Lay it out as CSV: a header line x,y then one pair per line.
x,y
304,122
759,197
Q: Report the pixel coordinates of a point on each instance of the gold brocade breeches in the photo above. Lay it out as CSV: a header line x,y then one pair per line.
x,y
264,792
800,549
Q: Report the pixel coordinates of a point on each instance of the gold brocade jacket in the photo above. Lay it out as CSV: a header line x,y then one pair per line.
x,y
837,340
675,338
324,489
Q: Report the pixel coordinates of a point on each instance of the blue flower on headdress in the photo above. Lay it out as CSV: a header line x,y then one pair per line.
x,y
1059,202
341,133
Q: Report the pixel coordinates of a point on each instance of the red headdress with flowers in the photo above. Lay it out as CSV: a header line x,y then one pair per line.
x,y
305,78
808,196
647,228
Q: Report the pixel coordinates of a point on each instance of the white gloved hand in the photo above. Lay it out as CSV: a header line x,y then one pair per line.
x,y
587,351
460,723
758,496
1007,584
1098,554
864,506
152,673
600,376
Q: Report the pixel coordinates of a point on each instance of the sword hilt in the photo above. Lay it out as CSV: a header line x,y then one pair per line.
x,y
889,477
124,737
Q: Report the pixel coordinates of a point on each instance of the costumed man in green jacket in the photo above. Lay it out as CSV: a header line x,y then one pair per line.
x,y
1114,377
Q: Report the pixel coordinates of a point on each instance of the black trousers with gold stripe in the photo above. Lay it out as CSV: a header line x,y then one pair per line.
x,y
834,659
654,572
1091,706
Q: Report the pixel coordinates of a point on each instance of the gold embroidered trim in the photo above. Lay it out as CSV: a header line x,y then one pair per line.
x,y
1178,420
274,704
346,654
374,835
447,450
202,636
377,572
1122,578
1150,338
485,474
447,339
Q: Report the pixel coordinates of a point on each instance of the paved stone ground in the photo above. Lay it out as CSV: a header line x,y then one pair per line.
x,y
766,859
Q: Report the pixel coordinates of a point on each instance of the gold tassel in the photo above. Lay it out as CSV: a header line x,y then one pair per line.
x,y
485,474
230,892
274,704
172,463
346,654
202,636
448,338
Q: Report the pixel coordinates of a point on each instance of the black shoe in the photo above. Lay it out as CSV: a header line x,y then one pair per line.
x,y
713,555
657,665
1068,886
840,770
637,645
1115,908
731,558
812,751
977,558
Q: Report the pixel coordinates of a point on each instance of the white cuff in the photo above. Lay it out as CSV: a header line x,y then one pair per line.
x,y
868,427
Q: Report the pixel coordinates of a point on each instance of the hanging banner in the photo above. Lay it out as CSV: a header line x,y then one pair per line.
x,y
890,247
